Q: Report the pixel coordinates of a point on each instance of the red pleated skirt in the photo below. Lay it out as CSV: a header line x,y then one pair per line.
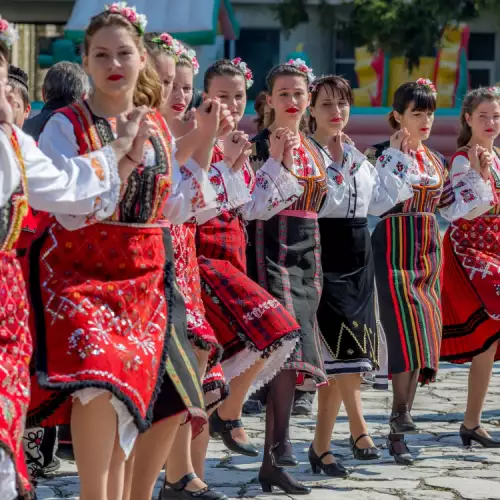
x,y
15,355
102,317
471,287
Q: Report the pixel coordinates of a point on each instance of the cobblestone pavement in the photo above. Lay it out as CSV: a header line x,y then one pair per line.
x,y
444,470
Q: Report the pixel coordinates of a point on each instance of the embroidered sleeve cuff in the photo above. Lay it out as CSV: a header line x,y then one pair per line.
x,y
237,191
204,195
393,161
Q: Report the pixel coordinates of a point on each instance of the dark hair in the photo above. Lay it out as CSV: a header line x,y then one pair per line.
x,y
222,67
422,97
148,87
259,105
197,99
471,101
333,84
65,82
19,81
283,70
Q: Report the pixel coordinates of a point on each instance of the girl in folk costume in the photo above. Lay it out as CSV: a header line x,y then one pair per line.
x,y
168,55
104,304
284,256
407,253
347,311
471,282
255,330
83,186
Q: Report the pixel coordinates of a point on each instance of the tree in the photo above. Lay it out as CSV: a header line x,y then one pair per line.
x,y
409,28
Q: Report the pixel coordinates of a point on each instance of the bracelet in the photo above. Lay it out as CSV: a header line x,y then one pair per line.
x,y
132,160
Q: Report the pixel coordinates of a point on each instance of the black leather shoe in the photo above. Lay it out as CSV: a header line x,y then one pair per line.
x,y
279,478
401,421
177,491
469,435
333,470
401,458
371,453
223,428
284,460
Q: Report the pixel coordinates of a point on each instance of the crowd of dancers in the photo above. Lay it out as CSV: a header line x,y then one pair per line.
x,y
158,266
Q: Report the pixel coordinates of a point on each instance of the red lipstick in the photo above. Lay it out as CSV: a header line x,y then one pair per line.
x,y
292,110
115,78
178,107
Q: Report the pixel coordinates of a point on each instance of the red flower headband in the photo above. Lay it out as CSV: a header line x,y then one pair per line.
x,y
242,66
139,21
427,83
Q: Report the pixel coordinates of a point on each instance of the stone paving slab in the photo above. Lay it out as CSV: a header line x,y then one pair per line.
x,y
443,469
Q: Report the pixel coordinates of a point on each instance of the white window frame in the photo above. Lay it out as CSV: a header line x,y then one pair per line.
x,y
488,65
341,60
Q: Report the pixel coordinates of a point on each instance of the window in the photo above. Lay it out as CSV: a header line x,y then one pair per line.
x,y
481,59
345,59
260,49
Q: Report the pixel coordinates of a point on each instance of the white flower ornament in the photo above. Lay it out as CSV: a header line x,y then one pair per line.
x,y
247,72
301,65
190,55
8,34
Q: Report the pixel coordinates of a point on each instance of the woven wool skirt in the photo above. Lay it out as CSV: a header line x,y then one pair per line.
x,y
346,314
408,265
249,322
284,257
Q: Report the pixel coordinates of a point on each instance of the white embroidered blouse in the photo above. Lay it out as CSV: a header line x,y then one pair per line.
x,y
369,189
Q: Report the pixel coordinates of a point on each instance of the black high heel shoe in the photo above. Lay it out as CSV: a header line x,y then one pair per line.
x,y
285,460
469,435
401,421
177,491
333,470
223,428
403,458
279,478
371,453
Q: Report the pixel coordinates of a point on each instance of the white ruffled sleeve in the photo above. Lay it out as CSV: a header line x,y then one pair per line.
x,y
469,195
274,189
391,181
78,189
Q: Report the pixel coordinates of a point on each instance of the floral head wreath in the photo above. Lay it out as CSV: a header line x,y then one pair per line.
x,y
301,65
495,90
190,55
169,44
8,34
242,66
427,83
139,21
